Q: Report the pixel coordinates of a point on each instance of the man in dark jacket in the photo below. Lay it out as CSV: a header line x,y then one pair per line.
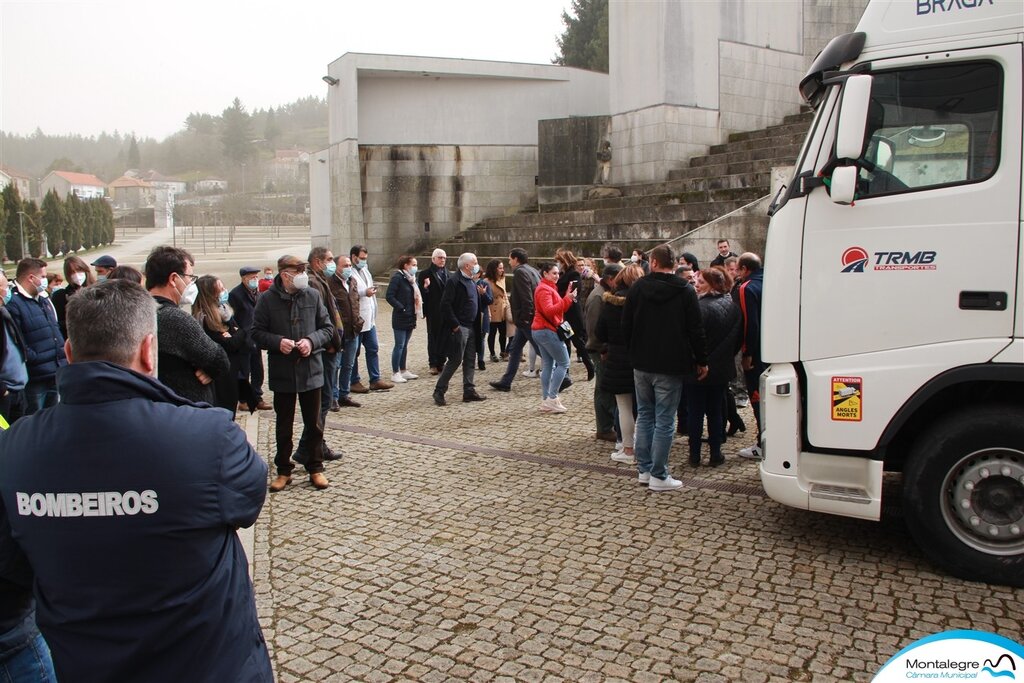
x,y
130,527
346,297
321,267
32,312
431,283
243,300
291,323
459,308
724,252
749,297
525,279
13,373
662,328
604,401
189,360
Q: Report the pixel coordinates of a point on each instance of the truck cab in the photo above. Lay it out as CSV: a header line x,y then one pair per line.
x,y
892,305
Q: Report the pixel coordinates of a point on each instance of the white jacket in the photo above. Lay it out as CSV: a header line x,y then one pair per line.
x,y
367,304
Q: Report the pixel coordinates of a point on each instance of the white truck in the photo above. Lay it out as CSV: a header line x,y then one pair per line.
x,y
893,302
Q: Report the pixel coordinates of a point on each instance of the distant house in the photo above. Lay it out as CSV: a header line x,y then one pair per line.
x,y
288,165
162,182
64,183
211,185
131,193
20,180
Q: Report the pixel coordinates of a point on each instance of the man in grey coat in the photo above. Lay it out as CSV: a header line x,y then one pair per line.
x,y
292,323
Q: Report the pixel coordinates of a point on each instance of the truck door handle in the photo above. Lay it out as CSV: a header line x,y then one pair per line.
x,y
983,301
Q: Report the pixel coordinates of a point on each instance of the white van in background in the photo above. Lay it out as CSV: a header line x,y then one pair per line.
x,y
892,306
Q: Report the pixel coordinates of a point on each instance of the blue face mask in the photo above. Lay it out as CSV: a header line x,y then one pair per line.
x,y
361,265
252,284
7,296
101,278
346,274
330,269
223,298
413,270
476,269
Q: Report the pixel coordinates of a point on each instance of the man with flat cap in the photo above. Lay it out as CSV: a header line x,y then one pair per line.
x,y
292,324
243,300
103,265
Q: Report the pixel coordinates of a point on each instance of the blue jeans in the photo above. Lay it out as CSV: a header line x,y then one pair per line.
x,y
515,353
554,361
330,382
657,398
368,340
24,656
401,353
346,361
40,394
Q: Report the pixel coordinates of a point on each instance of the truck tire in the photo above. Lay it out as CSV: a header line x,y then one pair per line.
x,y
963,494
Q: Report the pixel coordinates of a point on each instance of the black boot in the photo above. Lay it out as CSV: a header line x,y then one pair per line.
x,y
735,422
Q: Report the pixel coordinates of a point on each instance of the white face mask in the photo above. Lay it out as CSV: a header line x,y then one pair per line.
x,y
188,297
78,278
300,281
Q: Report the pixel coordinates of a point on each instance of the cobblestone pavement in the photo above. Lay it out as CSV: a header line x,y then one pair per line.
x,y
487,541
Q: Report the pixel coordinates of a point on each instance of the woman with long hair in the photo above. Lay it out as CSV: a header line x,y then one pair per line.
x,y
404,297
500,310
570,267
722,327
617,377
212,311
78,274
549,312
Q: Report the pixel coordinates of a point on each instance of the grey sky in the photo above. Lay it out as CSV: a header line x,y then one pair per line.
x,y
92,65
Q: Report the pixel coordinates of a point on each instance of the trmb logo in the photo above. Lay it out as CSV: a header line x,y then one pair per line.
x,y
854,260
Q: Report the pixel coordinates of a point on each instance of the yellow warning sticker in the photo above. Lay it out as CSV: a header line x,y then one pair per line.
x,y
847,399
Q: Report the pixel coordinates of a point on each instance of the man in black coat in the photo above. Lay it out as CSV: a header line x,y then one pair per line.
x,y
243,300
662,328
13,372
525,279
460,305
431,283
724,252
292,324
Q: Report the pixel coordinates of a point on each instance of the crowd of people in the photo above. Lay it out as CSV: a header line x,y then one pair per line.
x,y
134,360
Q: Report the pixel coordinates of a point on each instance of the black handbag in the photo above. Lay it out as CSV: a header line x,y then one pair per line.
x,y
565,331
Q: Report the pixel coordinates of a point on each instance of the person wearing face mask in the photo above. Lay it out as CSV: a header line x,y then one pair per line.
x,y
368,334
189,360
13,372
78,275
34,315
292,324
103,265
212,310
266,279
404,297
345,291
151,488
460,305
242,299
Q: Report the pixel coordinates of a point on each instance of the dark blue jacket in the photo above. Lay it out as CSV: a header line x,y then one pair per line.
x,y
125,497
403,300
244,304
749,297
44,344
460,302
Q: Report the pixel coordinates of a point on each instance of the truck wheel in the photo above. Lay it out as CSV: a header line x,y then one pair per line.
x,y
963,495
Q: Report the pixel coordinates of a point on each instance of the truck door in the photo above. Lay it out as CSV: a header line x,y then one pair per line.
x,y
927,254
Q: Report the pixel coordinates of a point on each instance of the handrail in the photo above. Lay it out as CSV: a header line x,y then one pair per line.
x,y
716,220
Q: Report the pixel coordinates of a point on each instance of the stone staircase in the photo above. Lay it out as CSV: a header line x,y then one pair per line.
x,y
728,181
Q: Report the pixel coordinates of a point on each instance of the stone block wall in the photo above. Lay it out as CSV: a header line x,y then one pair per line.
x,y
757,86
650,142
403,188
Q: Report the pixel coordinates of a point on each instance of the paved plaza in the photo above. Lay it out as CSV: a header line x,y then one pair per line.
x,y
490,542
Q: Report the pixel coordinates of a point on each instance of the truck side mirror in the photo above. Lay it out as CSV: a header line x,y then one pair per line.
x,y
853,115
843,186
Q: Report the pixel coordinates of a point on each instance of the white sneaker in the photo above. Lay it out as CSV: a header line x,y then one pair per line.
x,y
619,447
408,375
398,379
555,406
529,373
624,458
751,453
666,484
546,407
558,402
643,478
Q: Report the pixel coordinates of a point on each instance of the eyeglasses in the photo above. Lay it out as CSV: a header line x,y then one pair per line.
x,y
191,278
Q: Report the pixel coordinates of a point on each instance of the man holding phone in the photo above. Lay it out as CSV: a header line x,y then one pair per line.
x,y
368,334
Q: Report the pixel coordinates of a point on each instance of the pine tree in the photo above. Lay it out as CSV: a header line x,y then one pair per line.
x,y
53,221
73,206
271,130
236,133
12,233
134,158
584,43
34,229
107,214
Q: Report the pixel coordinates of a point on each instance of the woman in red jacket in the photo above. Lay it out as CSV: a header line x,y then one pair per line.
x,y
549,312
